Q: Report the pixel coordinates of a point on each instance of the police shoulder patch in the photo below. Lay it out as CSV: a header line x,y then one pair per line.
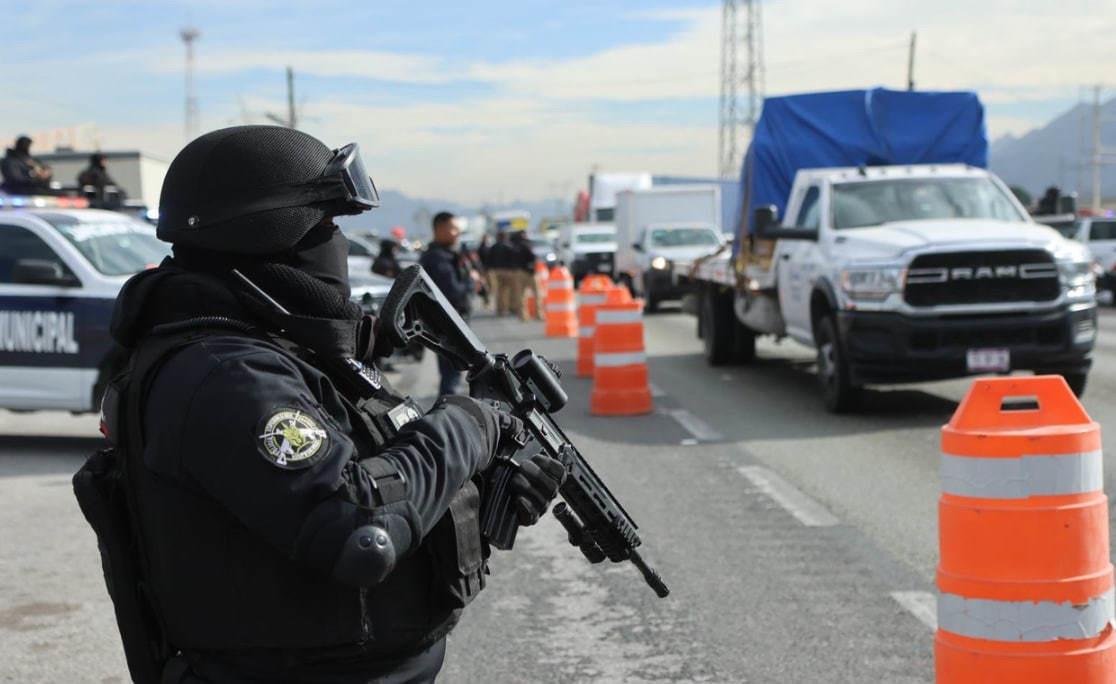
x,y
292,439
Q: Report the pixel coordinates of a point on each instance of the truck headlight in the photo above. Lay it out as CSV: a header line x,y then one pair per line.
x,y
872,283
659,263
1075,273
1078,278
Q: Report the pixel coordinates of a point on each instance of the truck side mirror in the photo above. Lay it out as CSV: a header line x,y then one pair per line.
x,y
765,217
42,272
766,221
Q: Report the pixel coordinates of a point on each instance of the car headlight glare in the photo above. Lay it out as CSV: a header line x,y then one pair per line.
x,y
659,263
1076,273
872,283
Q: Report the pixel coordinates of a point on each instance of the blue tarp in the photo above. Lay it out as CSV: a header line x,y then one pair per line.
x,y
857,127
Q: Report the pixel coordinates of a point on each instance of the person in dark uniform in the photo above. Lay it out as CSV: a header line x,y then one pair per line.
x,y
450,273
289,531
95,178
523,262
386,262
501,258
21,173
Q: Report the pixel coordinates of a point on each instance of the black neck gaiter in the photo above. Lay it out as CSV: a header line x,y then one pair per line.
x,y
311,281
322,254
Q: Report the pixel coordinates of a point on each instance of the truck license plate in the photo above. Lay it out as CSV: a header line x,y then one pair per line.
x,y
988,360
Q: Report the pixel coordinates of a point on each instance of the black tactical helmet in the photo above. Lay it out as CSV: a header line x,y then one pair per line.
x,y
258,189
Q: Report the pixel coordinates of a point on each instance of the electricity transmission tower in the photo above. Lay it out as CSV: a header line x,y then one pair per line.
x,y
189,35
742,75
1099,156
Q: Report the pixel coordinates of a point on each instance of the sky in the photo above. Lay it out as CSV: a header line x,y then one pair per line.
x,y
488,102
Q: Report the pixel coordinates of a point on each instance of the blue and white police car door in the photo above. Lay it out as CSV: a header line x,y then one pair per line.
x,y
53,336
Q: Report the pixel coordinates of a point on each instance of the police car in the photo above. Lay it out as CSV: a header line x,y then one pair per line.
x,y
61,267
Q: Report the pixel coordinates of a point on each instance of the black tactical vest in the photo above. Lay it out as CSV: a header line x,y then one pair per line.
x,y
215,587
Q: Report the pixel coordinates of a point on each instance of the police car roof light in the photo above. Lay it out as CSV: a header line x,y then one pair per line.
x,y
43,202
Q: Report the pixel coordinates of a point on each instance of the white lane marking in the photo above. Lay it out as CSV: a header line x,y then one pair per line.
x,y
655,391
689,441
920,604
808,512
694,425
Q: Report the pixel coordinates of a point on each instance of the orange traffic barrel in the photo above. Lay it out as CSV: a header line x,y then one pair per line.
x,y
595,281
592,293
561,311
620,385
1025,580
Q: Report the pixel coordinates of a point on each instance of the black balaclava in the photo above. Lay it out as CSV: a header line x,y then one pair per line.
x,y
310,280
322,254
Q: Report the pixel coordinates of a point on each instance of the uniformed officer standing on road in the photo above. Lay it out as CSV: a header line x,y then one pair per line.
x,y
291,529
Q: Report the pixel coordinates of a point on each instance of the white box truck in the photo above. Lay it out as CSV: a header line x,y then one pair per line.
x,y
660,232
603,188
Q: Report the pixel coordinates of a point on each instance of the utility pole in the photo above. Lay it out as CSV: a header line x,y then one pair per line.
x,y
292,118
188,36
742,84
910,61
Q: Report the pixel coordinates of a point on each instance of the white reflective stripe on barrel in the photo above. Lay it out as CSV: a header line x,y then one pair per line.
x,y
585,331
594,298
618,316
621,359
1029,621
560,285
1019,478
560,306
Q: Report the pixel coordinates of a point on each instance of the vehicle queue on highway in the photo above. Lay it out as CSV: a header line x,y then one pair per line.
x,y
898,259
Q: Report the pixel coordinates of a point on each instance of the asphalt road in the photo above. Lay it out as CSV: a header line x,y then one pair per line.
x,y
799,546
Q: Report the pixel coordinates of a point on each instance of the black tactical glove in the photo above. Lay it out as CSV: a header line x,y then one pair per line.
x,y
513,433
505,434
535,485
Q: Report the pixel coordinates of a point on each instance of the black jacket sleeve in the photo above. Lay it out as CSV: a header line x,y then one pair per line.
x,y
307,508
442,267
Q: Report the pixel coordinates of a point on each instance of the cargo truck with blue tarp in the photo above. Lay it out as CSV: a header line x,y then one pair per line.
x,y
870,229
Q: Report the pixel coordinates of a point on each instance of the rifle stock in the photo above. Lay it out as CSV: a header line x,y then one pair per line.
x,y
527,384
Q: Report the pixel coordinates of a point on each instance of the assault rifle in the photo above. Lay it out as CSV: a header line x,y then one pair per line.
x,y
528,386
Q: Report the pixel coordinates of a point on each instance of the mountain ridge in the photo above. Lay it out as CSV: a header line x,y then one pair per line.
x,y
1058,153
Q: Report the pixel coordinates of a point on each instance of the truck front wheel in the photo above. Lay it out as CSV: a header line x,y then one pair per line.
x,y
744,344
717,321
838,391
1076,382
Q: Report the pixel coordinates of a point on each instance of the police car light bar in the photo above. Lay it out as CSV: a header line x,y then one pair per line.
x,y
42,202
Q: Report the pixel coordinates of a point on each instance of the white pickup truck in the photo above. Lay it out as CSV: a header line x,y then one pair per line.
x,y
900,274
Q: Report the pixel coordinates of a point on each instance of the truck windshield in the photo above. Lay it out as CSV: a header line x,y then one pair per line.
x,y
683,237
872,203
117,248
595,238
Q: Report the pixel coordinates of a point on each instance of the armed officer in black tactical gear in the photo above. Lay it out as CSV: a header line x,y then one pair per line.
x,y
297,521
